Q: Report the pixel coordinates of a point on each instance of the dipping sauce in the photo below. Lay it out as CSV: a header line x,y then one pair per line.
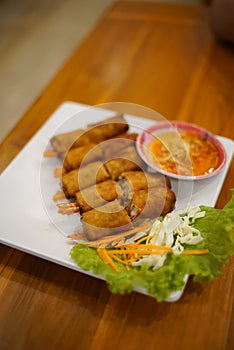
x,y
184,152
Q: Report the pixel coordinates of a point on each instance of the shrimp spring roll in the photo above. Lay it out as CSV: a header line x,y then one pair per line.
x,y
151,203
62,143
84,177
96,195
101,131
132,136
118,118
106,220
117,144
87,154
132,181
127,160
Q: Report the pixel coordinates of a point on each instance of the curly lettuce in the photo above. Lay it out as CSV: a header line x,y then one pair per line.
x,y
217,230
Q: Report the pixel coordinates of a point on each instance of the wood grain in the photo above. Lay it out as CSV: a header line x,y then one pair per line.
x,y
163,57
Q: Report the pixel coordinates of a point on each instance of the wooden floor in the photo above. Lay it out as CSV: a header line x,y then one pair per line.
x,y
36,39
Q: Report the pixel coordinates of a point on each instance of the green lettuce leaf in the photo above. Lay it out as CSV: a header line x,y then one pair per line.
x,y
216,228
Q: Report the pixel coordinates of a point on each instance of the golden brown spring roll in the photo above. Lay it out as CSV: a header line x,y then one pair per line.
x,y
128,160
132,181
117,118
62,143
106,220
132,136
86,154
96,195
102,131
131,153
84,177
117,166
117,144
152,203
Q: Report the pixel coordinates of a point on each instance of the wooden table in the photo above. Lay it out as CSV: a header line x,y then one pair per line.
x,y
163,57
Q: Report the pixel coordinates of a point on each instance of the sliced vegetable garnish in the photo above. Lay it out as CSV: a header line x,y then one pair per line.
x,y
133,252
148,259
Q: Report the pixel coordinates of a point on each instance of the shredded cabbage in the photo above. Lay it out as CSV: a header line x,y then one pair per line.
x,y
174,230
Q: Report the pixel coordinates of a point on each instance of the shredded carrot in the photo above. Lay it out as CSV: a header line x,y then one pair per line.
x,y
113,238
106,258
195,252
131,252
100,252
135,251
138,229
116,257
149,247
124,262
142,239
161,247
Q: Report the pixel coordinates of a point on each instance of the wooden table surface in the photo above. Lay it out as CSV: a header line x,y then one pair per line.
x,y
166,58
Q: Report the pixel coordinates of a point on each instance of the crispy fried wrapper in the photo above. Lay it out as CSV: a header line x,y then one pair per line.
x,y
151,203
128,160
96,133
97,195
106,220
104,130
132,181
116,119
115,146
62,143
83,177
83,154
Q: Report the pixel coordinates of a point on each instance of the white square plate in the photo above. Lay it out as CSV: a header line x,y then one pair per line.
x,y
28,216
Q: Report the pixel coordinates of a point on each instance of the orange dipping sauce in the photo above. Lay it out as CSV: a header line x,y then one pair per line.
x,y
184,153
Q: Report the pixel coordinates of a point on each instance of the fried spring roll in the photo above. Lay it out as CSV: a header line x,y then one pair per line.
x,y
87,154
62,143
132,136
118,118
117,144
131,153
132,181
96,195
128,160
99,132
117,166
151,203
106,220
84,177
